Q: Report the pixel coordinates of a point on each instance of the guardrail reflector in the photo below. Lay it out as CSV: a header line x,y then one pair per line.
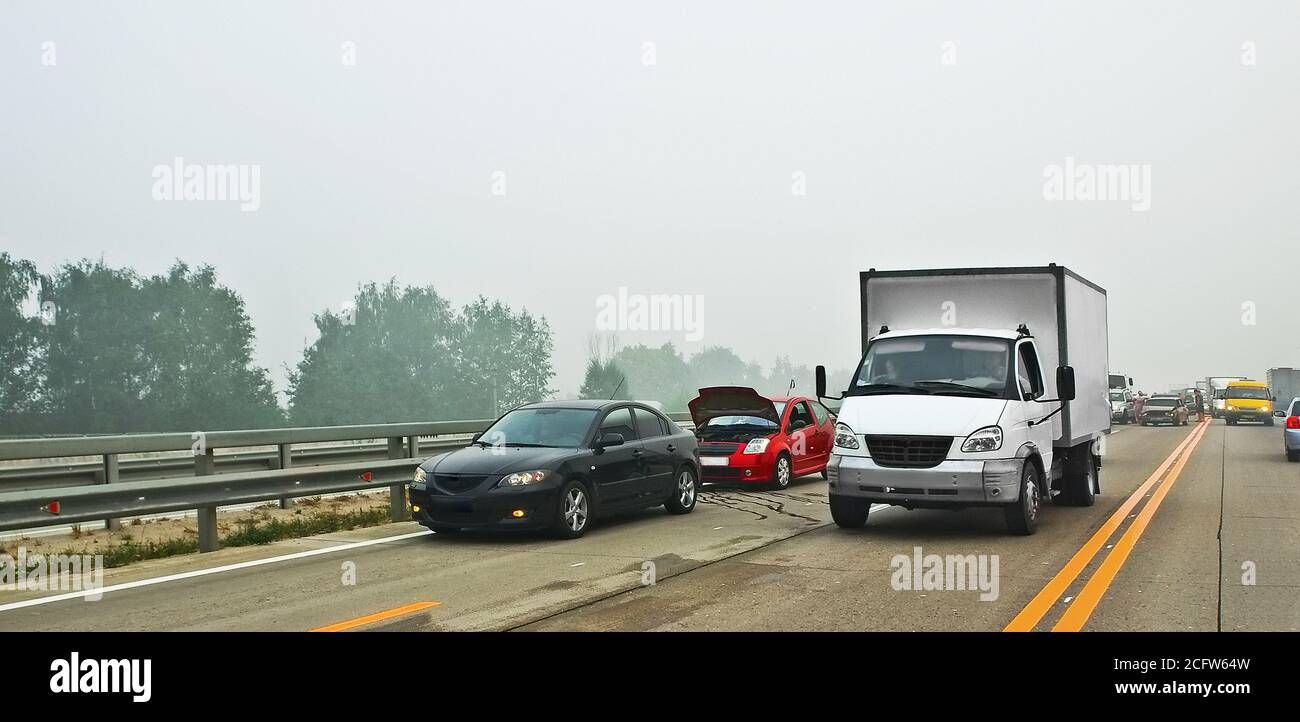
x,y
365,476
53,507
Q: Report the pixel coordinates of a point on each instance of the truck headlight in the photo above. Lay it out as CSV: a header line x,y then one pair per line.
x,y
845,438
755,446
523,478
988,438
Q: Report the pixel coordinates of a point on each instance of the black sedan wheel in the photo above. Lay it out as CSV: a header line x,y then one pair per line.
x,y
685,490
574,511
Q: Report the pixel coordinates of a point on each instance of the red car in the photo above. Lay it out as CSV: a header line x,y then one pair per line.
x,y
749,438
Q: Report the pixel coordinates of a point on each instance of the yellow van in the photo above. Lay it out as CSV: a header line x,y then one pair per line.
x,y
1248,401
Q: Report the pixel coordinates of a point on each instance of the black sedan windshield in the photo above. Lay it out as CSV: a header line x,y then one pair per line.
x,y
565,428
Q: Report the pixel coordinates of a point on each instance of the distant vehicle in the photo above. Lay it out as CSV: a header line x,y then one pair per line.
x,y
1122,406
753,439
953,417
1248,401
1291,431
1218,393
556,465
1283,382
1164,409
1119,382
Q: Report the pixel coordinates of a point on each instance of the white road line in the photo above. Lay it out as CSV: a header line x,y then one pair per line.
x,y
204,572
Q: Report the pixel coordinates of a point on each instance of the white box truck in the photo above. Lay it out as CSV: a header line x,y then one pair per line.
x,y
976,387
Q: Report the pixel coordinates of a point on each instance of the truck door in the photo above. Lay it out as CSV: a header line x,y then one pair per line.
x,y
1031,386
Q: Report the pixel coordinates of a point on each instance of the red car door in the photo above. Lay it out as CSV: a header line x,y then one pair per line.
x,y
803,456
825,436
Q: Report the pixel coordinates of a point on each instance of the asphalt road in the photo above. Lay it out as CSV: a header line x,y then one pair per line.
x,y
1181,558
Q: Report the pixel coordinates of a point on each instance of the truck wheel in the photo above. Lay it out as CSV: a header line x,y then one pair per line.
x,y
849,513
1022,516
1081,479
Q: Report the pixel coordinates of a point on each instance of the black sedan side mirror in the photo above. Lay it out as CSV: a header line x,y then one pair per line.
x,y
610,440
1065,383
476,437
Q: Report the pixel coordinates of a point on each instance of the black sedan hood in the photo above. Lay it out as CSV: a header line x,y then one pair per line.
x,y
479,459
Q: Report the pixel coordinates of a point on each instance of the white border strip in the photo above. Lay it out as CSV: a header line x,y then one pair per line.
x,y
204,572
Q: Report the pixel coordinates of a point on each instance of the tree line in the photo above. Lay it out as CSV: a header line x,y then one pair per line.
x,y
114,351
666,375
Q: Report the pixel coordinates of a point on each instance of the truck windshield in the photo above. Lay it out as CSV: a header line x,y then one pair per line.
x,y
1248,392
935,364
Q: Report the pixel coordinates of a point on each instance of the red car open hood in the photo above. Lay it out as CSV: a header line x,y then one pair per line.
x,y
731,401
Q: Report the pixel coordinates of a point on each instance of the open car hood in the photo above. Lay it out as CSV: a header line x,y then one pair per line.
x,y
731,401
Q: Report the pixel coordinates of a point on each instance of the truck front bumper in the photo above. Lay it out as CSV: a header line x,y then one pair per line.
x,y
951,483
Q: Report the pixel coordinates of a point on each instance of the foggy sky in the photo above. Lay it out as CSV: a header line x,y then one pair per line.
x,y
675,177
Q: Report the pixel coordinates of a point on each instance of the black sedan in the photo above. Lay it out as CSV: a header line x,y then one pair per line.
x,y
556,465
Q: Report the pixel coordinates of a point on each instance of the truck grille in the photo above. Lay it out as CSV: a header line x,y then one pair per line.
x,y
912,452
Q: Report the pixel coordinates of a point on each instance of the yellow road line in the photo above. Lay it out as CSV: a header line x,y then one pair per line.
x,y
376,617
1037,608
1083,605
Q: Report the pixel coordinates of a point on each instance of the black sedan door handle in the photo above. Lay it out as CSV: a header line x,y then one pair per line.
x,y
672,447
636,452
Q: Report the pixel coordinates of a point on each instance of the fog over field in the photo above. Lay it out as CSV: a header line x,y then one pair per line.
x,y
748,160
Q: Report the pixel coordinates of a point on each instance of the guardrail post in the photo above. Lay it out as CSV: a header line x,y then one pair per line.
x,y
204,464
413,446
397,492
286,460
111,477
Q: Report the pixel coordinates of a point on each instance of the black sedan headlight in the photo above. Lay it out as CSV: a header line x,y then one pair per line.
x,y
524,478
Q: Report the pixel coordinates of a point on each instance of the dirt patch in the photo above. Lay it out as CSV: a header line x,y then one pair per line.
x,y
179,535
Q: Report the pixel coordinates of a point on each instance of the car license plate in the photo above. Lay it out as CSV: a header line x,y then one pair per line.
x,y
713,461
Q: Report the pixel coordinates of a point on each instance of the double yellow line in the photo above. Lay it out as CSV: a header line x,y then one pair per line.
x,y
1076,615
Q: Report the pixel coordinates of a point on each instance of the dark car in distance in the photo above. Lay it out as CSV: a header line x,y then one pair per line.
x,y
556,465
1164,409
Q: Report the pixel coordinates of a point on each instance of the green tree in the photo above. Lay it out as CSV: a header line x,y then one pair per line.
x,y
200,373
604,380
656,374
505,358
21,346
403,354
167,353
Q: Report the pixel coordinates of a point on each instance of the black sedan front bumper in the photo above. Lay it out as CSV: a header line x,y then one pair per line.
x,y
496,509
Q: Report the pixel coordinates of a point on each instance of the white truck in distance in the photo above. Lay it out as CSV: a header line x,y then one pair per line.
x,y
976,387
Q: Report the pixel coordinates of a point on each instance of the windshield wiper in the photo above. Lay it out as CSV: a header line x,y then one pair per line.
x,y
869,389
958,387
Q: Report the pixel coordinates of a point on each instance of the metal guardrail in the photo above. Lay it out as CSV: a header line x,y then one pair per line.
x,y
111,498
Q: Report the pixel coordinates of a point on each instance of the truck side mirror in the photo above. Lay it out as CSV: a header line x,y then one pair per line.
x,y
1065,383
821,381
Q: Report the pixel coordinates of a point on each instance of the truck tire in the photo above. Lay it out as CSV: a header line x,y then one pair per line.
x,y
1080,477
1022,516
849,513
